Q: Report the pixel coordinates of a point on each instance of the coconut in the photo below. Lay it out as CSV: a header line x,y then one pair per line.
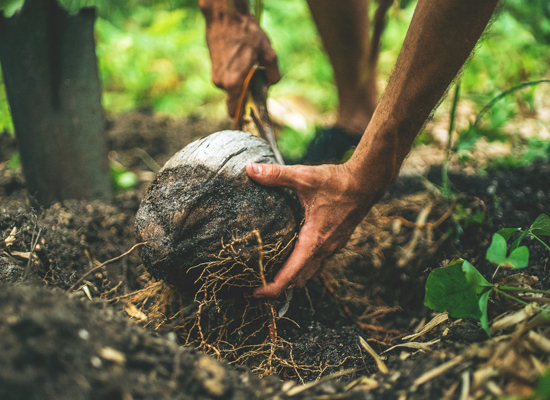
x,y
208,226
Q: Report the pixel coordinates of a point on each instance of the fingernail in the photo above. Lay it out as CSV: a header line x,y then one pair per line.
x,y
256,168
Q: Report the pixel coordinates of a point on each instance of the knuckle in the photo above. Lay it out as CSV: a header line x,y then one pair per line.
x,y
274,172
270,57
231,82
216,79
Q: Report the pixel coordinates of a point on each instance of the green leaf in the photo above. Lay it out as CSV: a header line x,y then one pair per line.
x,y
496,252
456,289
518,259
541,226
507,233
484,319
542,389
126,180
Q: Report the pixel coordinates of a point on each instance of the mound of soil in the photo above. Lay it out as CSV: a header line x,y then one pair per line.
x,y
60,347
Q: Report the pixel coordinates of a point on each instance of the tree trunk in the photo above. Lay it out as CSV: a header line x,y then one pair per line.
x,y
52,85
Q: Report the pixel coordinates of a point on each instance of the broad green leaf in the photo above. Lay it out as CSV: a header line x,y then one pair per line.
x,y
473,276
497,250
456,289
484,319
518,259
541,226
507,233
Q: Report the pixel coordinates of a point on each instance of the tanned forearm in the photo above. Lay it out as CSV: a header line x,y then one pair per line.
x,y
440,39
216,10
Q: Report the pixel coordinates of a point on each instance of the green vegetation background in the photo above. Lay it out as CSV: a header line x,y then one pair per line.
x,y
153,55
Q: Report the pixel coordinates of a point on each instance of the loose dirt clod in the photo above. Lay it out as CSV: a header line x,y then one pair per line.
x,y
208,225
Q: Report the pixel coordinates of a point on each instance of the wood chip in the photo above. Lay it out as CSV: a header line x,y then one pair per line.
x,y
435,321
11,237
299,389
483,375
511,320
86,290
413,345
494,389
110,354
465,392
25,254
540,342
381,366
438,371
364,383
133,312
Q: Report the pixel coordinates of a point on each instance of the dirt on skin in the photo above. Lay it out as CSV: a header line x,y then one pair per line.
x,y
374,288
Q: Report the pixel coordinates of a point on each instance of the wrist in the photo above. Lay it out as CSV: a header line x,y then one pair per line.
x,y
375,161
222,10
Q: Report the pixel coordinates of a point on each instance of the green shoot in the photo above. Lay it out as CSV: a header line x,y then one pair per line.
x,y
121,178
497,253
446,190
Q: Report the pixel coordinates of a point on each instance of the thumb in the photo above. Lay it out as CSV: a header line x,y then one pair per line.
x,y
271,174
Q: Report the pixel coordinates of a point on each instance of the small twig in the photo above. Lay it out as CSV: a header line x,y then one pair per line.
x,y
154,285
465,392
299,389
379,363
71,289
438,371
34,242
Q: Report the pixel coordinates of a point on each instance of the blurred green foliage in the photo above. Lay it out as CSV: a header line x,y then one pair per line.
x,y
122,179
155,58
152,54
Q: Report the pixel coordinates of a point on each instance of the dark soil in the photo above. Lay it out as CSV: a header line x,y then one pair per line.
x,y
372,289
61,347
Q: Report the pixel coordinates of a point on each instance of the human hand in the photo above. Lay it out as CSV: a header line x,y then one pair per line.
x,y
335,201
236,43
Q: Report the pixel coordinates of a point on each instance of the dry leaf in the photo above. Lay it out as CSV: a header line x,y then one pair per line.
x,y
438,319
381,366
413,345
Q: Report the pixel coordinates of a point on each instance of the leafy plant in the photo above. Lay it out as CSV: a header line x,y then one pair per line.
x,y
541,227
445,183
460,290
456,289
497,253
121,178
